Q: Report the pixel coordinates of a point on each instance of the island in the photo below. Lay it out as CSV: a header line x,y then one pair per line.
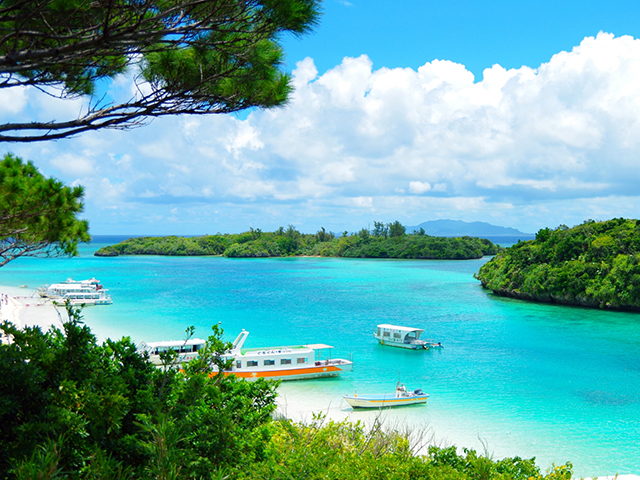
x,y
596,264
384,241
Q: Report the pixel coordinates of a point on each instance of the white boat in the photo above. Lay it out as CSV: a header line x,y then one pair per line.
x,y
403,337
401,397
187,350
82,292
277,363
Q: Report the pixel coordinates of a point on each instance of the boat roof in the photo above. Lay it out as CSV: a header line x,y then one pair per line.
x,y
399,327
176,343
318,346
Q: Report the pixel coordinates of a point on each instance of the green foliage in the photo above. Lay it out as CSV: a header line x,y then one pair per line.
x,y
197,56
388,241
596,264
339,450
71,408
396,229
38,215
172,245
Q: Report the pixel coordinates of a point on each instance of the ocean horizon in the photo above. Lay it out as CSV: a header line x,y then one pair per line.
x,y
514,378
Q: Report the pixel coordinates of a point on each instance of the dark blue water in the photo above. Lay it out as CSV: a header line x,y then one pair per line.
x,y
558,383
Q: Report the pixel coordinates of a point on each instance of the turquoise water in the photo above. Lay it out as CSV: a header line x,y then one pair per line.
x,y
558,383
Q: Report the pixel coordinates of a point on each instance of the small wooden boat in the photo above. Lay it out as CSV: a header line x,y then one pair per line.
x,y
401,397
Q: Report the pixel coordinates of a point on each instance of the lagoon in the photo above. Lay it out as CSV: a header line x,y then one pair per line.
x,y
514,379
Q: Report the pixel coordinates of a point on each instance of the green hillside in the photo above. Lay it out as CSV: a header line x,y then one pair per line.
x,y
595,264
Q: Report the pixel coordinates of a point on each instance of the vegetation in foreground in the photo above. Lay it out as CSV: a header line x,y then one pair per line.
x,y
384,241
73,409
596,264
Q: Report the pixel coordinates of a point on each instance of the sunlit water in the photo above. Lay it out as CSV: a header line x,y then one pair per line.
x,y
515,378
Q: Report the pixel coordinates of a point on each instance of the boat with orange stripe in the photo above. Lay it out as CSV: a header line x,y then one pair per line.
x,y
296,362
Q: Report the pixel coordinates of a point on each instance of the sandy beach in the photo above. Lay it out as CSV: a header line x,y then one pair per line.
x,y
24,309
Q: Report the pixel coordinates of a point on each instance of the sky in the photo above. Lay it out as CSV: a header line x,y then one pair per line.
x,y
519,114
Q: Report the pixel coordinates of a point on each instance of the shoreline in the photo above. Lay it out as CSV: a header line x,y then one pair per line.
x,y
21,308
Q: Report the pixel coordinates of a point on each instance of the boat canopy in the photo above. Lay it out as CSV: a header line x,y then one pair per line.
x,y
174,343
386,326
317,346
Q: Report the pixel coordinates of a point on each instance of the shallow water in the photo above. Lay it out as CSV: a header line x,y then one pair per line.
x,y
515,378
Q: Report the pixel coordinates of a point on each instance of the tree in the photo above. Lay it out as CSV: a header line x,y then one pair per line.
x,y
396,229
72,408
37,214
188,57
380,230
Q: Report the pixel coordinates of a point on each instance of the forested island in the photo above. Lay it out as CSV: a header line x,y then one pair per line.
x,y
384,241
595,264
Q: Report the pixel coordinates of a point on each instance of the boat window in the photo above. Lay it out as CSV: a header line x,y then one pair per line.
x,y
386,334
285,361
252,363
238,364
396,335
302,360
269,362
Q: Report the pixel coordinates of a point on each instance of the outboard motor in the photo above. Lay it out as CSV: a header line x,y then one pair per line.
x,y
418,391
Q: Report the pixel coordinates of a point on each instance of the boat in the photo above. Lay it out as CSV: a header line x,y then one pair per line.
x,y
277,363
401,397
187,350
81,292
403,337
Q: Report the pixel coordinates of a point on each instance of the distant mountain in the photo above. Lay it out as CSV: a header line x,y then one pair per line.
x,y
457,228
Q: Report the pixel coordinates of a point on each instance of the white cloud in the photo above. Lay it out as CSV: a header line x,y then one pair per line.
x,y
13,101
527,147
419,187
72,165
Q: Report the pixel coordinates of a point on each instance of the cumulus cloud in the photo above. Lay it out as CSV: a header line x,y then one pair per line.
x,y
419,187
520,147
72,165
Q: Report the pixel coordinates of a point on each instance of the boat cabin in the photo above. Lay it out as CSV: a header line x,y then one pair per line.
x,y
285,363
399,336
186,349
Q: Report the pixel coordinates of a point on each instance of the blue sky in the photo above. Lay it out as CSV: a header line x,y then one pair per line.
x,y
476,34
519,114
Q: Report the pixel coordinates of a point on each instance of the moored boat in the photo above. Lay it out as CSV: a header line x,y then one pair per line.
x,y
81,292
401,397
277,363
187,350
403,337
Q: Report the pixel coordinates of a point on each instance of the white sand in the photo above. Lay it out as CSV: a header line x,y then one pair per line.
x,y
24,309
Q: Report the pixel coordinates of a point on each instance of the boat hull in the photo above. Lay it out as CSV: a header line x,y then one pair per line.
x,y
409,346
384,400
293,373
